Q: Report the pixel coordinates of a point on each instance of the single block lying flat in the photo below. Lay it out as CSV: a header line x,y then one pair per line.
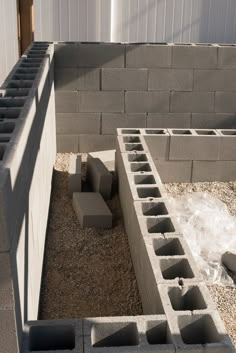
x,y
99,177
92,210
74,181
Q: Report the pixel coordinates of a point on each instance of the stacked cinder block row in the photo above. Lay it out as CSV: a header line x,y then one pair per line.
x,y
102,86
190,155
27,155
168,279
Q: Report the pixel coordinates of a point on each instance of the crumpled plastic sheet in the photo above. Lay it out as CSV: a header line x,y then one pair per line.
x,y
209,230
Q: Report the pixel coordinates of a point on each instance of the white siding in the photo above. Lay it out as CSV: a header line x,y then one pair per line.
x,y
8,37
136,20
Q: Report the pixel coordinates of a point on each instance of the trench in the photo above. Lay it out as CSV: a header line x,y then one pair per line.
x,y
87,272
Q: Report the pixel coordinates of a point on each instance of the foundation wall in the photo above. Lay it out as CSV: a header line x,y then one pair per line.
x,y
101,87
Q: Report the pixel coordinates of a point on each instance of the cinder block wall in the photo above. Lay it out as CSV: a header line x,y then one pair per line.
x,y
100,87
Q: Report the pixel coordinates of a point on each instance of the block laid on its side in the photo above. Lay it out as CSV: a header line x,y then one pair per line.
x,y
92,210
99,177
107,158
74,180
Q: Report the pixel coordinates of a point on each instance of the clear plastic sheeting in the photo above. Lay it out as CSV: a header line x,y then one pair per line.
x,y
209,230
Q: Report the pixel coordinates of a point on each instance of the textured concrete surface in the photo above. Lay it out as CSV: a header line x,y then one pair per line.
x,y
99,178
75,174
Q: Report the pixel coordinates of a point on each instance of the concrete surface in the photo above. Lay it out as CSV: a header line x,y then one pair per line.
x,y
107,158
99,178
75,175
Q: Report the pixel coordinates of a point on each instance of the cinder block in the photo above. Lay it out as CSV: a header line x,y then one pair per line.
x,y
75,175
226,57
88,143
10,102
78,123
88,79
124,79
107,102
229,260
194,145
213,121
20,84
214,171
164,225
110,122
225,102
227,145
194,102
147,102
101,55
158,143
170,79
214,80
67,143
132,143
192,56
174,171
66,55
6,288
169,120
107,158
77,79
65,79
92,210
8,331
66,102
153,56
99,177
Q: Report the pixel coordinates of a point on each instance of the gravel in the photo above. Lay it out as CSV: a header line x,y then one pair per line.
x,y
224,297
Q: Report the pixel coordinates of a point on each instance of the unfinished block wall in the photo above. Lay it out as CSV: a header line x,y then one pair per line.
x,y
101,87
27,156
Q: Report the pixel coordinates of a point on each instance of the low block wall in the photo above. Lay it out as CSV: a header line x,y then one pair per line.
x,y
101,87
27,153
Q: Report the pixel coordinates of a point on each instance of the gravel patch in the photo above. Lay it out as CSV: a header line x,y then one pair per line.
x,y
224,297
87,272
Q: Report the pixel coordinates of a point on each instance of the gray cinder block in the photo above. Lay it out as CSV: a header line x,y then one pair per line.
x,y
225,102
110,121
194,144
158,143
214,80
213,121
67,143
174,171
70,79
226,57
101,55
88,143
153,56
101,101
124,79
107,158
6,288
194,102
194,57
66,102
146,102
214,171
169,120
227,145
78,123
99,177
170,79
65,79
229,260
74,178
66,55
92,210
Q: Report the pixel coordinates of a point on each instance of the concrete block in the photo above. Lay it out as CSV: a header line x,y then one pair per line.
x,y
65,79
66,55
67,143
10,102
213,121
214,171
227,145
158,143
110,121
174,171
169,120
10,113
133,143
194,102
66,102
153,56
75,174
8,332
99,177
146,102
101,102
124,79
229,260
88,143
158,226
6,288
78,123
214,80
70,79
194,144
92,210
101,55
88,79
192,56
107,158
20,84
170,79
226,57
225,102
128,131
